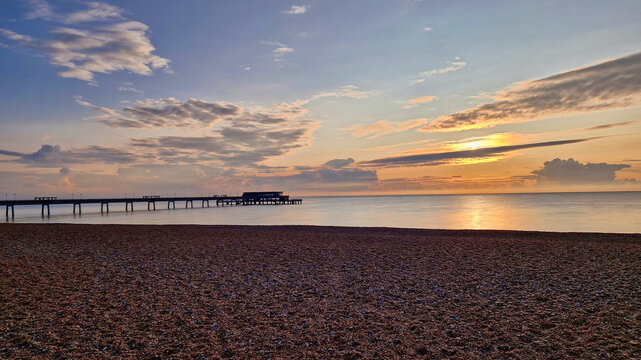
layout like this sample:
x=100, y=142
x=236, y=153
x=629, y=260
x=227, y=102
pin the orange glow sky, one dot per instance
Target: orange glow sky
x=334, y=98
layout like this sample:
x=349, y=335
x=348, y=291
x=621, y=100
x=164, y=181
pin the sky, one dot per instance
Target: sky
x=319, y=97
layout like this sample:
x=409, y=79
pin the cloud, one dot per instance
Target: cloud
x=609, y=85
x=383, y=127
x=339, y=163
x=574, y=172
x=167, y=112
x=349, y=91
x=23, y=40
x=123, y=46
x=338, y=175
x=40, y=9
x=240, y=139
x=427, y=28
x=296, y=10
x=232, y=146
x=82, y=53
x=10, y=153
x=324, y=176
x=171, y=112
x=296, y=108
x=290, y=109
x=418, y=101
x=94, y=11
x=609, y=126
x=441, y=158
x=454, y=183
x=421, y=100
x=236, y=136
x=302, y=34
x=54, y=156
x=455, y=65
x=280, y=50
x=64, y=182
x=129, y=89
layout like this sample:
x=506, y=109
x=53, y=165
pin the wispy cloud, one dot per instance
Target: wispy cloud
x=23, y=40
x=240, y=143
x=94, y=11
x=165, y=113
x=610, y=126
x=297, y=108
x=455, y=65
x=454, y=183
x=235, y=136
x=383, y=127
x=441, y=158
x=40, y=9
x=55, y=156
x=128, y=87
x=279, y=51
x=296, y=10
x=199, y=114
x=337, y=175
x=349, y=91
x=427, y=28
x=609, y=85
x=419, y=101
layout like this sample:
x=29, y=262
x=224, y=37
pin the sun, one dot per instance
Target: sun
x=475, y=144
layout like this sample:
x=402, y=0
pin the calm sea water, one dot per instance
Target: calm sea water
x=598, y=212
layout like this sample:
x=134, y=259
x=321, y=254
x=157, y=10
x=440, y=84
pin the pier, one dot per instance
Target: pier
x=248, y=198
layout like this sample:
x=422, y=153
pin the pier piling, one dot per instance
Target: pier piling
x=42, y=211
x=7, y=211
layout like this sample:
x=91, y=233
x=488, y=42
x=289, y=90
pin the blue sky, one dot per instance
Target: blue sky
x=279, y=89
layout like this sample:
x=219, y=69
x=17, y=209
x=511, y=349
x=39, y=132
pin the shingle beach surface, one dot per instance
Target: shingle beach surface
x=117, y=291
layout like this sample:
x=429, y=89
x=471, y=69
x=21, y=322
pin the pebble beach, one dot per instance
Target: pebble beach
x=276, y=292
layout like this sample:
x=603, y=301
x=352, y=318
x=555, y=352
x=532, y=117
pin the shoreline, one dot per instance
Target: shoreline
x=467, y=232
x=236, y=291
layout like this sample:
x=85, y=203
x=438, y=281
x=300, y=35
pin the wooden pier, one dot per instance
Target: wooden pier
x=248, y=198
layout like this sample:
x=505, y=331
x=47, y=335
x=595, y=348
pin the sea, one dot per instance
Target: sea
x=618, y=212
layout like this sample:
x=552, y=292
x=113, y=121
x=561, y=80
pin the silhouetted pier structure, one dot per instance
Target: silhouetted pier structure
x=248, y=198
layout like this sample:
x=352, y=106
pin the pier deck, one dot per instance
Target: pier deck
x=271, y=198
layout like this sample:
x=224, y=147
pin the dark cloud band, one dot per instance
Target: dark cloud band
x=443, y=157
x=608, y=85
